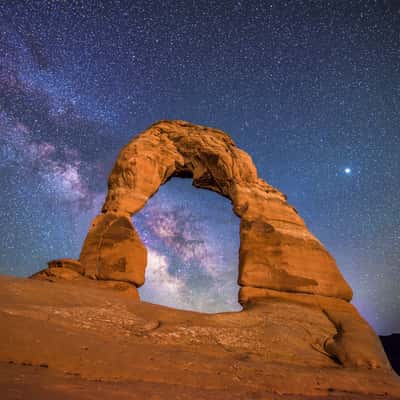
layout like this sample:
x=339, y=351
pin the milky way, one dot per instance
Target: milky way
x=193, y=241
x=309, y=89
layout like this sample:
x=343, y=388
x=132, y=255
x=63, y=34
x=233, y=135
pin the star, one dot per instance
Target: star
x=347, y=171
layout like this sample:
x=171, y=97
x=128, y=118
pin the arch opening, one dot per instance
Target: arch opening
x=192, y=241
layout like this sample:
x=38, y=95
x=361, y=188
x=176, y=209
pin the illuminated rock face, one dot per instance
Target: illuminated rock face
x=277, y=251
x=286, y=275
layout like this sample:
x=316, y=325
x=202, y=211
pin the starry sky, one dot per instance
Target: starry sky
x=311, y=89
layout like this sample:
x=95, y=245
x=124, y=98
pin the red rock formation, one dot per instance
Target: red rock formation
x=285, y=273
x=75, y=340
x=277, y=251
x=68, y=269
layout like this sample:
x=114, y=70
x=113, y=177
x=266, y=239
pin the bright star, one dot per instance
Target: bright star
x=347, y=170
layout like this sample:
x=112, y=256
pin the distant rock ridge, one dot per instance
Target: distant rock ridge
x=391, y=344
x=280, y=260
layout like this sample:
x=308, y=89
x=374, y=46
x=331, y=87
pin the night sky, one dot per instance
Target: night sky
x=311, y=89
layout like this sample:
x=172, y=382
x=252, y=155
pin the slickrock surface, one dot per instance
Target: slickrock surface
x=67, y=269
x=76, y=340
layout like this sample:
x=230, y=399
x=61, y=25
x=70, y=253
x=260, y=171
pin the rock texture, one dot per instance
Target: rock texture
x=64, y=268
x=277, y=251
x=113, y=250
x=77, y=340
x=67, y=269
x=353, y=343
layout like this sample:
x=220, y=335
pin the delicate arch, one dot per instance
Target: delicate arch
x=277, y=251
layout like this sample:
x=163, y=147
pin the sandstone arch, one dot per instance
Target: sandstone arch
x=289, y=282
x=277, y=251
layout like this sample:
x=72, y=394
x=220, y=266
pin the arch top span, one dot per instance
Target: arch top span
x=277, y=251
x=177, y=148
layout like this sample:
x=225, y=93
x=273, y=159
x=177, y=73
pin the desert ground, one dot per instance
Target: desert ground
x=80, y=340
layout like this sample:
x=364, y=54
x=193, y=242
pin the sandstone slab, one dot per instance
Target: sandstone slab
x=53, y=333
x=353, y=342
